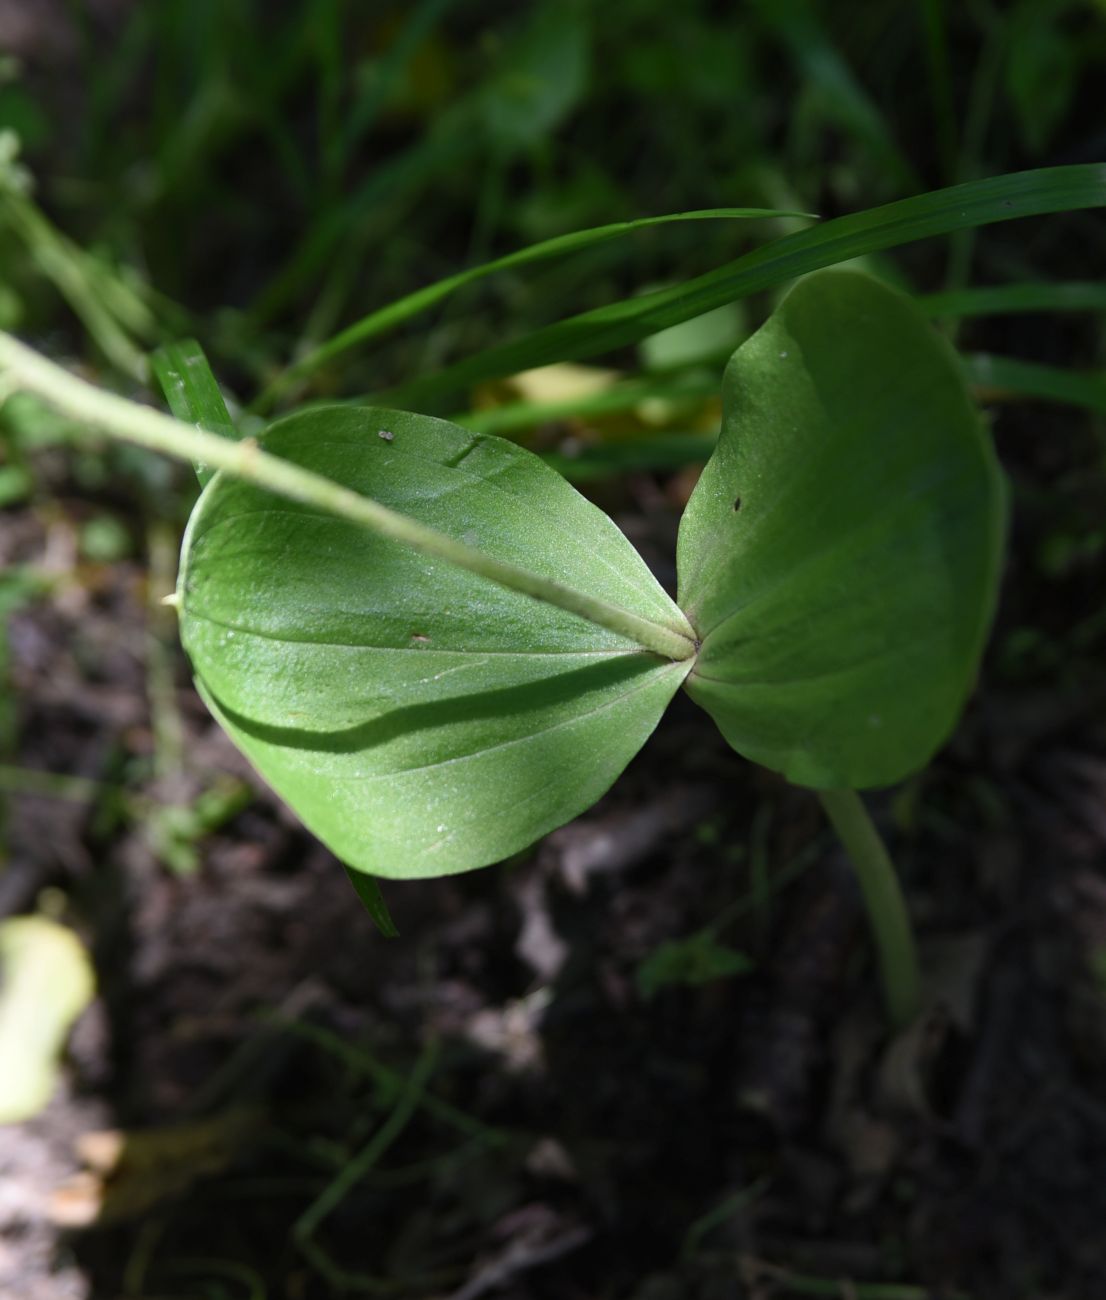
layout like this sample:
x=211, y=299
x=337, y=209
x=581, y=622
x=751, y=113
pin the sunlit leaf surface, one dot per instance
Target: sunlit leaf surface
x=419, y=719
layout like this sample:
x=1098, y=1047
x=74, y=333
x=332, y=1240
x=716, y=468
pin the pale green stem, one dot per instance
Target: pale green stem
x=356, y=1168
x=69, y=268
x=879, y=884
x=25, y=369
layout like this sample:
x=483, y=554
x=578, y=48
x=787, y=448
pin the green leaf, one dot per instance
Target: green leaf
x=831, y=92
x=544, y=75
x=1009, y=375
x=960, y=207
x=192, y=392
x=839, y=557
x=420, y=720
x=1043, y=66
x=368, y=891
x=698, y=959
x=449, y=142
x=999, y=299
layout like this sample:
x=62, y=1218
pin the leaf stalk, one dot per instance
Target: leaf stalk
x=883, y=899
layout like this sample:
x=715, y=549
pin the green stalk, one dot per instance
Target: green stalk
x=68, y=268
x=23, y=369
x=887, y=914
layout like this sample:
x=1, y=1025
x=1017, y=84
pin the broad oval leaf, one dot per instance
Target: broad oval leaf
x=419, y=719
x=839, y=557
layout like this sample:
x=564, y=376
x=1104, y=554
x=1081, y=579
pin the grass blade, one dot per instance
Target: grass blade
x=368, y=891
x=830, y=83
x=998, y=300
x=959, y=207
x=378, y=322
x=192, y=392
x=449, y=143
x=999, y=377
x=84, y=284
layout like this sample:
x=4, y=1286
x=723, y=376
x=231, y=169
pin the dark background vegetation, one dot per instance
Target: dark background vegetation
x=645, y=1060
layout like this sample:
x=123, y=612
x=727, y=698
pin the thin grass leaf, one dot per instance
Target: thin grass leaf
x=940, y=84
x=832, y=1288
x=999, y=377
x=960, y=207
x=831, y=88
x=387, y=318
x=368, y=891
x=192, y=392
x=1003, y=299
x=417, y=26
x=448, y=144
x=81, y=282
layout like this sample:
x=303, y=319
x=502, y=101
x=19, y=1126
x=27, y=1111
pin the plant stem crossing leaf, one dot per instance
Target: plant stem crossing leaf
x=420, y=718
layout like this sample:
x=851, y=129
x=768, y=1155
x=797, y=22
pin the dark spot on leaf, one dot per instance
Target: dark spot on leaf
x=736, y=504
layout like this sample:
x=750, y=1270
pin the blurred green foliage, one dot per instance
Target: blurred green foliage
x=261, y=175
